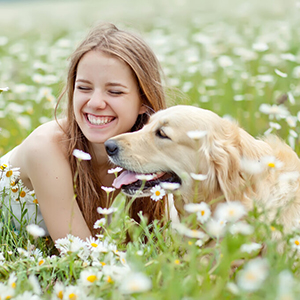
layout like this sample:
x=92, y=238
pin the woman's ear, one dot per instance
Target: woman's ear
x=143, y=109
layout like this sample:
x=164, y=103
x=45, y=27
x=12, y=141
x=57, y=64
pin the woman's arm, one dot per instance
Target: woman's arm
x=49, y=172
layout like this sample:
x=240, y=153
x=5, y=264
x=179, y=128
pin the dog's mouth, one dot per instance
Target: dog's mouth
x=139, y=185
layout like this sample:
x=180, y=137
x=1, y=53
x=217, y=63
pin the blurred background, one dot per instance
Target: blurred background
x=240, y=59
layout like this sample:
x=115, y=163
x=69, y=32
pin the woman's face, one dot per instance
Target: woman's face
x=106, y=100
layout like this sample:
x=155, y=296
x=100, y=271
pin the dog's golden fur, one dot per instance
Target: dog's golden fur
x=232, y=159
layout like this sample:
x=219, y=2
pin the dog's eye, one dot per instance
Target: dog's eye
x=161, y=134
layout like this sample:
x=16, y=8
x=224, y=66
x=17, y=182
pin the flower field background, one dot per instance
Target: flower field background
x=239, y=59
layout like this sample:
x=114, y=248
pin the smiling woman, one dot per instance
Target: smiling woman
x=106, y=103
x=113, y=85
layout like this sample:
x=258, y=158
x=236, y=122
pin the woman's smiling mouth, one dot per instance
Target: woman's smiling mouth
x=99, y=120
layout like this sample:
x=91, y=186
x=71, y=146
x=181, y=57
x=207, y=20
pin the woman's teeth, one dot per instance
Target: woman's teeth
x=99, y=120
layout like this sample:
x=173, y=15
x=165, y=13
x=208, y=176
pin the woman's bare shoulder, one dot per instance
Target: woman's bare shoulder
x=49, y=132
x=45, y=141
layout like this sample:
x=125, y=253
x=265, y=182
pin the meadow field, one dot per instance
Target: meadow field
x=240, y=59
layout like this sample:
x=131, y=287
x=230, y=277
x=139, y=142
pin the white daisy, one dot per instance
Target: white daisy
x=10, y=175
x=253, y=274
x=72, y=244
x=286, y=285
x=35, y=230
x=74, y=292
x=204, y=214
x=295, y=241
x=106, y=211
x=58, y=290
x=25, y=195
x=170, y=186
x=93, y=243
x=196, y=134
x=291, y=121
x=100, y=223
x=241, y=227
x=81, y=155
x=271, y=162
x=108, y=189
x=192, y=233
x=250, y=247
x=35, y=284
x=251, y=166
x=89, y=277
x=41, y=261
x=135, y=283
x=216, y=228
x=7, y=292
x=260, y=46
x=157, y=193
x=274, y=111
x=115, y=170
x=201, y=209
x=12, y=280
x=4, y=89
x=230, y=211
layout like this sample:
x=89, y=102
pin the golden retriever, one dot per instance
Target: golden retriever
x=237, y=166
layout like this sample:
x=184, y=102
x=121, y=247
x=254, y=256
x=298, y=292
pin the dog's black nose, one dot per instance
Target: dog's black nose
x=111, y=147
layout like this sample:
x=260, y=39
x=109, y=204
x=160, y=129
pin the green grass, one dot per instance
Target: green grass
x=213, y=57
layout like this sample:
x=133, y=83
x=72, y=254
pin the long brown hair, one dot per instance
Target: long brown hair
x=138, y=55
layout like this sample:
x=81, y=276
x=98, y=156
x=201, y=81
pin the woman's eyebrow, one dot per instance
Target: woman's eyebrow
x=82, y=80
x=115, y=84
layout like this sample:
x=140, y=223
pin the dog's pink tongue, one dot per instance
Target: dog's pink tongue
x=125, y=177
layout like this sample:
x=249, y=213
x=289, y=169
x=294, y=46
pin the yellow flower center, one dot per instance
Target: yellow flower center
x=271, y=165
x=41, y=262
x=134, y=287
x=91, y=278
x=13, y=285
x=9, y=173
x=177, y=261
x=202, y=212
x=94, y=245
x=35, y=201
x=231, y=212
x=3, y=167
x=297, y=242
x=14, y=190
x=72, y=296
x=8, y=297
x=60, y=295
x=250, y=276
x=109, y=280
x=103, y=263
x=157, y=193
x=190, y=243
x=273, y=228
x=23, y=194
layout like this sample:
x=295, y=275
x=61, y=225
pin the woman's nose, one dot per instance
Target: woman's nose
x=97, y=100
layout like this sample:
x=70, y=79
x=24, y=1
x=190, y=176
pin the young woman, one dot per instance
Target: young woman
x=113, y=85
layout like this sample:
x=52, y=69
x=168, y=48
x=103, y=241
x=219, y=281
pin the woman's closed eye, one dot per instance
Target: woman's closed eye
x=83, y=88
x=115, y=92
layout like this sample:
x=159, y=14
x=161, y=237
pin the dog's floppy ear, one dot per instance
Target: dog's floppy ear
x=224, y=155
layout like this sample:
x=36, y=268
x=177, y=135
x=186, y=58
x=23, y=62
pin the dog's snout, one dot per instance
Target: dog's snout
x=111, y=147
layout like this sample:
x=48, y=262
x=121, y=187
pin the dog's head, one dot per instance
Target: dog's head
x=164, y=149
